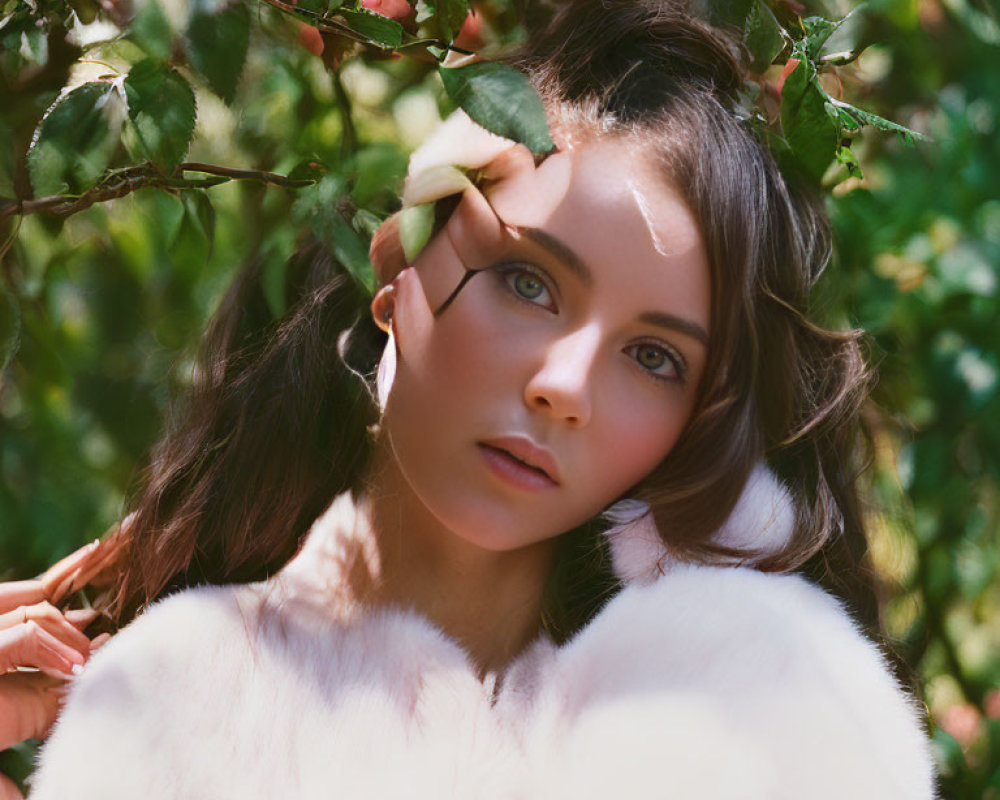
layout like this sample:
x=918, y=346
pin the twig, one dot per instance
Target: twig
x=328, y=24
x=125, y=181
x=246, y=175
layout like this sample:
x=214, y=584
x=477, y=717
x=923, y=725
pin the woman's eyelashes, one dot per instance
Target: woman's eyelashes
x=528, y=284
x=660, y=362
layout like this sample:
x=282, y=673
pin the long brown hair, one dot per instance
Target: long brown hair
x=275, y=425
x=778, y=386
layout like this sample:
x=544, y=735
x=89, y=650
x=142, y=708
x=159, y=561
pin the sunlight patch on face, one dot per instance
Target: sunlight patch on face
x=647, y=217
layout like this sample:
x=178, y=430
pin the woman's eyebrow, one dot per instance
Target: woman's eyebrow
x=560, y=250
x=679, y=324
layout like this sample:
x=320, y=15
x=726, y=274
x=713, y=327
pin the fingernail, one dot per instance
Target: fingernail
x=77, y=669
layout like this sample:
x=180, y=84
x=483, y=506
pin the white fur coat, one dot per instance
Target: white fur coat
x=694, y=682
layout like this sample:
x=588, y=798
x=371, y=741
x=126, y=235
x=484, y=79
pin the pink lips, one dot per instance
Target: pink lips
x=519, y=461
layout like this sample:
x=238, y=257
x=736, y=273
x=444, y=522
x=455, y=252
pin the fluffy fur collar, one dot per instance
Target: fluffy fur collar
x=700, y=683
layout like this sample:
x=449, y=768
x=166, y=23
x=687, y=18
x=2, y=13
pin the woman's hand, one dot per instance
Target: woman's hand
x=61, y=579
x=43, y=637
x=36, y=635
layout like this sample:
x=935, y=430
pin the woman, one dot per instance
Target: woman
x=620, y=328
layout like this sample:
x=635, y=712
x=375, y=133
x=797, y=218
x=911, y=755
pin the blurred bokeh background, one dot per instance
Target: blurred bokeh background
x=100, y=311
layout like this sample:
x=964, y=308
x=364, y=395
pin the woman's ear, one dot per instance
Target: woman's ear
x=383, y=307
x=386, y=253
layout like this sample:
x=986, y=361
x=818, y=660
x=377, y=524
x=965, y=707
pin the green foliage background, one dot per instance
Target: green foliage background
x=100, y=310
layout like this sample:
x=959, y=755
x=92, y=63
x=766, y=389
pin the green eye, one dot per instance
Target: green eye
x=651, y=357
x=528, y=286
x=658, y=361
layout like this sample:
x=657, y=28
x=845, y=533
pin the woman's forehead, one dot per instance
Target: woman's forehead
x=603, y=188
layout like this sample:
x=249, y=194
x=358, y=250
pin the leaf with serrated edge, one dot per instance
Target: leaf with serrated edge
x=217, y=46
x=76, y=139
x=807, y=127
x=502, y=100
x=817, y=31
x=863, y=117
x=378, y=30
x=161, y=106
x=765, y=37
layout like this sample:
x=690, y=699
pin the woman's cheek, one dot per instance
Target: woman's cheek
x=642, y=434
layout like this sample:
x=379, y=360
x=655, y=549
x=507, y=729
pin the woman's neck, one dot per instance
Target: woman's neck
x=489, y=602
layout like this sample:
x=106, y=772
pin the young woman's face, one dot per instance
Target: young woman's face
x=566, y=368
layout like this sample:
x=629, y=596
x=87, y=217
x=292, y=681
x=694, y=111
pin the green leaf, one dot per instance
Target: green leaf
x=817, y=31
x=848, y=38
x=808, y=129
x=162, y=108
x=318, y=207
x=861, y=117
x=151, y=31
x=218, y=36
x=76, y=139
x=846, y=157
x=349, y=248
x=366, y=222
x=450, y=15
x=764, y=38
x=502, y=100
x=192, y=244
x=416, y=224
x=200, y=213
x=10, y=328
x=848, y=123
x=376, y=29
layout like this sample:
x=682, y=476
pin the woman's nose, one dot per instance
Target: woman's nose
x=561, y=385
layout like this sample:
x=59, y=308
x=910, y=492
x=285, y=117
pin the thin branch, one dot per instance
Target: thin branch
x=328, y=24
x=125, y=181
x=246, y=175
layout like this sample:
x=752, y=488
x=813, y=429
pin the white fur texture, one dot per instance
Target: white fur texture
x=761, y=523
x=704, y=684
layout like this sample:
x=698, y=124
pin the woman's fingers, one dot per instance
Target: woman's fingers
x=20, y=593
x=104, y=571
x=80, y=618
x=58, y=578
x=30, y=645
x=52, y=620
